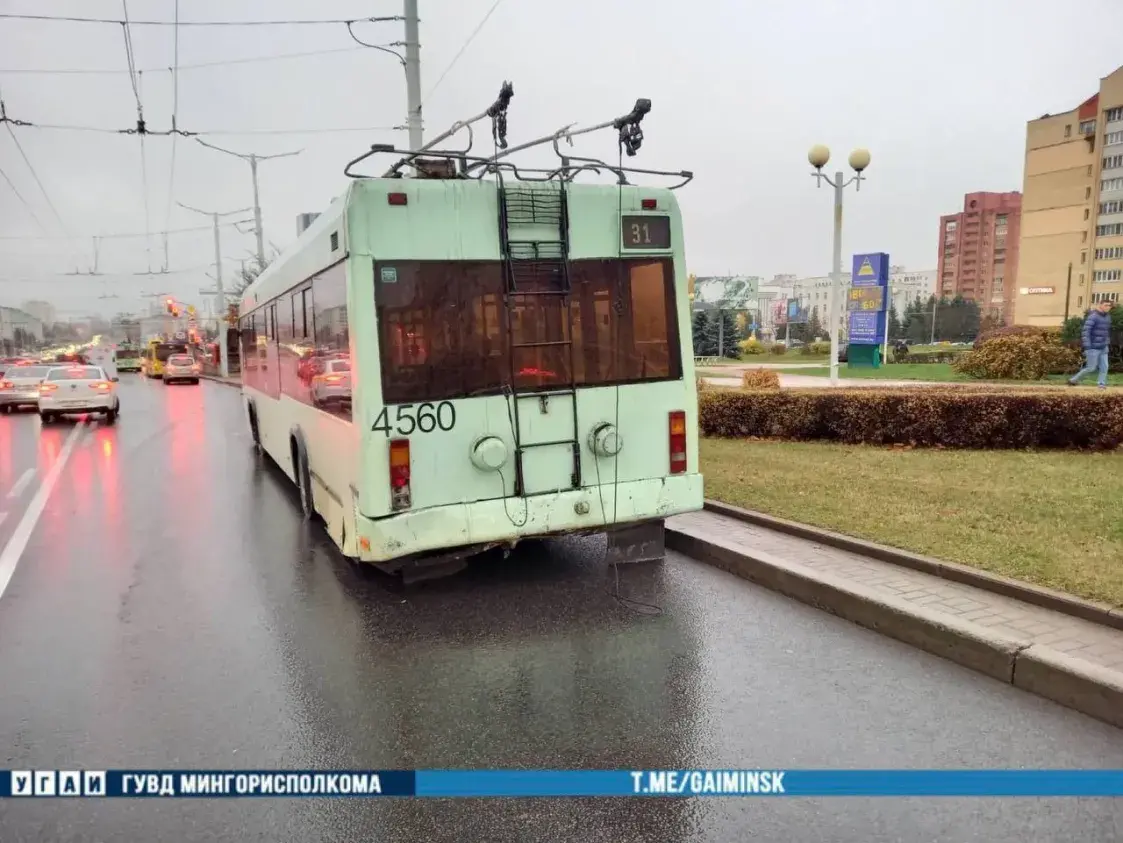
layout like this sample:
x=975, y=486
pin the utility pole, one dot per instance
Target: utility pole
x=259, y=231
x=220, y=294
x=413, y=74
x=1068, y=290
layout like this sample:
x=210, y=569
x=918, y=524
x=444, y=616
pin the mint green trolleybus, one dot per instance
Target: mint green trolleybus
x=464, y=353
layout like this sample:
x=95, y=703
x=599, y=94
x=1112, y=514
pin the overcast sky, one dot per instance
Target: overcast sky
x=938, y=90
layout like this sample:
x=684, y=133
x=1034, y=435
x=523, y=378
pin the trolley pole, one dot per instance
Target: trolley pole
x=413, y=74
x=220, y=293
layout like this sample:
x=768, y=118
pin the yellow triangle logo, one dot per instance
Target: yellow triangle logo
x=866, y=270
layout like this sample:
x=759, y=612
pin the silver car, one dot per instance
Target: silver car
x=181, y=367
x=331, y=386
x=19, y=387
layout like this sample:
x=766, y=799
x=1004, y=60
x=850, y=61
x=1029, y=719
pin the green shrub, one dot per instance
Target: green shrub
x=1019, y=357
x=815, y=349
x=760, y=379
x=751, y=345
x=778, y=348
x=953, y=417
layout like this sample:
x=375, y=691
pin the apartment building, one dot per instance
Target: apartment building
x=1071, y=250
x=978, y=252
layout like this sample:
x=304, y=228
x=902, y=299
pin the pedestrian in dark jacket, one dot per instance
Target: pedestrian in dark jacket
x=1096, y=338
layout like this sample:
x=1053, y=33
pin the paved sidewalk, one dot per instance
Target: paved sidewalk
x=812, y=381
x=1085, y=640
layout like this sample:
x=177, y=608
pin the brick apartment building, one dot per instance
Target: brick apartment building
x=978, y=255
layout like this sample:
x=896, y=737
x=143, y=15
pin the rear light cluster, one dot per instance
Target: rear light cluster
x=101, y=386
x=333, y=378
x=6, y=384
x=44, y=388
x=678, y=442
x=399, y=474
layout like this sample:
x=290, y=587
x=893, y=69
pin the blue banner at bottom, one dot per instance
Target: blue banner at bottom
x=554, y=783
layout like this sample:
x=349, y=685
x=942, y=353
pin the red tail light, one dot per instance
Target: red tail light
x=648, y=204
x=399, y=474
x=6, y=384
x=678, y=442
x=397, y=198
x=101, y=386
x=44, y=388
x=333, y=378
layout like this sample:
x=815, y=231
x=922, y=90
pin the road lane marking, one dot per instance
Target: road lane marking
x=21, y=484
x=13, y=550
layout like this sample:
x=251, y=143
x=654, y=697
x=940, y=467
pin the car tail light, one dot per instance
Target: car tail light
x=101, y=386
x=678, y=442
x=6, y=384
x=333, y=378
x=44, y=388
x=399, y=474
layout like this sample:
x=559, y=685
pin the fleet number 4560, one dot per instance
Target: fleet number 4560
x=424, y=419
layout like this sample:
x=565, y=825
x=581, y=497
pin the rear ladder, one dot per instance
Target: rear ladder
x=534, y=243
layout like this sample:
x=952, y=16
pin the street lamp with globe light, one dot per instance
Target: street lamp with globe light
x=818, y=156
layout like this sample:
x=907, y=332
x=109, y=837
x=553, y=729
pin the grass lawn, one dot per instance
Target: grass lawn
x=941, y=372
x=1050, y=518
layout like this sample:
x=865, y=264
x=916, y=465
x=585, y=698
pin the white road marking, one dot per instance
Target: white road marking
x=13, y=550
x=21, y=484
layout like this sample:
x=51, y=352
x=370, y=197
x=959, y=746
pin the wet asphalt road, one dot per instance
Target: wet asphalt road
x=171, y=610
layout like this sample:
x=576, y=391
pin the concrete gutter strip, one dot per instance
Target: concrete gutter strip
x=1046, y=598
x=1088, y=688
x=960, y=641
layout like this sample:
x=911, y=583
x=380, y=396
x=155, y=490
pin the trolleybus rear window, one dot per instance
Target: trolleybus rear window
x=444, y=334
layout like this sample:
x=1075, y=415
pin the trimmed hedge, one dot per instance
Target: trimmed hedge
x=951, y=417
x=778, y=348
x=760, y=379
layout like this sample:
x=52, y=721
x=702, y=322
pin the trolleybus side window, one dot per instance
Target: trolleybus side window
x=443, y=331
x=329, y=320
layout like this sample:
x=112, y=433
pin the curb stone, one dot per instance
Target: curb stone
x=1035, y=595
x=1071, y=682
x=217, y=379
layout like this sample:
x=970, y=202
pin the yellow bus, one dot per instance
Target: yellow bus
x=157, y=352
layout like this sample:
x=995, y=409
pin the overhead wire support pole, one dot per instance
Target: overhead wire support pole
x=253, y=159
x=413, y=74
x=223, y=357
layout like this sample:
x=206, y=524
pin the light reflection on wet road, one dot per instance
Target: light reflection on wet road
x=172, y=610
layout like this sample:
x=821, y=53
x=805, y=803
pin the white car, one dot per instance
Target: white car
x=77, y=390
x=19, y=386
x=182, y=367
